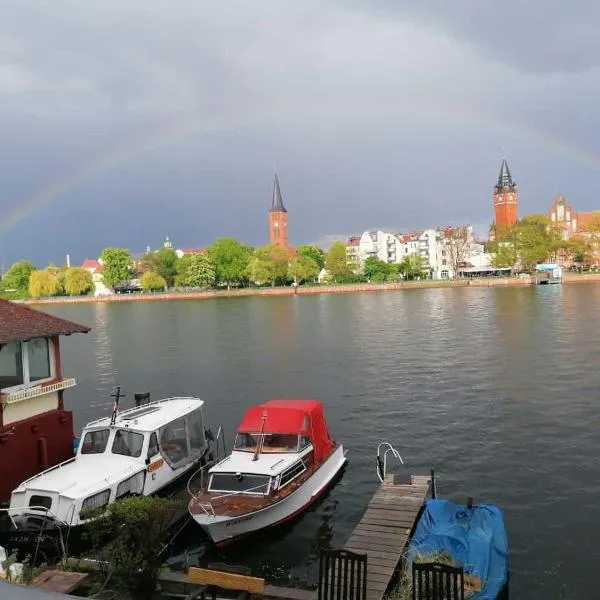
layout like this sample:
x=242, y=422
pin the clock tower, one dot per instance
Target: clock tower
x=506, y=200
x=278, y=218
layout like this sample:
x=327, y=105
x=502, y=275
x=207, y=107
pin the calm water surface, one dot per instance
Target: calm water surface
x=497, y=389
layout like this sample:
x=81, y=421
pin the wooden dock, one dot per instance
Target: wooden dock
x=385, y=527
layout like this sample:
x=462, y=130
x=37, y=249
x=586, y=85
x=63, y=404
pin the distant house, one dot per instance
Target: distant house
x=185, y=251
x=95, y=267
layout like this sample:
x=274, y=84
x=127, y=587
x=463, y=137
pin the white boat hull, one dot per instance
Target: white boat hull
x=224, y=529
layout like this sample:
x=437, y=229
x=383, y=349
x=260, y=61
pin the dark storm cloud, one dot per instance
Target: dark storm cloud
x=374, y=117
x=544, y=36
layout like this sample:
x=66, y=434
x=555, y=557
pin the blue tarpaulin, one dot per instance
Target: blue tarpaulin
x=475, y=538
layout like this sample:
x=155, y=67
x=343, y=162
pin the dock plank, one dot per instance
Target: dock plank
x=384, y=528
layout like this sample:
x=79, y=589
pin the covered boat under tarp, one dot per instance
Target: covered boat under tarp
x=475, y=538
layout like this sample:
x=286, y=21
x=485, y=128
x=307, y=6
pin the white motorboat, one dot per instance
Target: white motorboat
x=139, y=451
x=282, y=461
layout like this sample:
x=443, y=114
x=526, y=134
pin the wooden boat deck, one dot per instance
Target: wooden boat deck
x=385, y=527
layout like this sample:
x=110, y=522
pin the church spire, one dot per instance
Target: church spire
x=505, y=178
x=277, y=201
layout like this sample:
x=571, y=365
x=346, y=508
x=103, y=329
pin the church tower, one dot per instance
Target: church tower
x=506, y=199
x=278, y=218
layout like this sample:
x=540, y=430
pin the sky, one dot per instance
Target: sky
x=124, y=122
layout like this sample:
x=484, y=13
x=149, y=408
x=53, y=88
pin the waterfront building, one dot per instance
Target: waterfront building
x=506, y=202
x=442, y=249
x=36, y=432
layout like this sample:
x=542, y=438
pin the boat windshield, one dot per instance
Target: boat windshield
x=128, y=443
x=94, y=442
x=272, y=442
x=239, y=483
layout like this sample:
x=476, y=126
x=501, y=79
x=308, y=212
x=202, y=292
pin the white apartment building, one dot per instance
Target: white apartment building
x=443, y=250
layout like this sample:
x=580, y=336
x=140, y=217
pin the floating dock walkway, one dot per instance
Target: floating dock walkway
x=385, y=527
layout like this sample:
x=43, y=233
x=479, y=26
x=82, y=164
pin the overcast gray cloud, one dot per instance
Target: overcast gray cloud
x=124, y=122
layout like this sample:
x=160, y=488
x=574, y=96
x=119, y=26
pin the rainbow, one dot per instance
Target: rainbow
x=175, y=130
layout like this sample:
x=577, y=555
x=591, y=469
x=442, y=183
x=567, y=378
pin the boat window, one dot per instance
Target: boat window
x=173, y=443
x=291, y=473
x=272, y=443
x=240, y=483
x=95, y=442
x=11, y=365
x=304, y=441
x=128, y=443
x=96, y=501
x=195, y=430
x=153, y=446
x=40, y=502
x=132, y=486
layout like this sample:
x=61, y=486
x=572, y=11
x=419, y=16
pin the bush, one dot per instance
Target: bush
x=151, y=282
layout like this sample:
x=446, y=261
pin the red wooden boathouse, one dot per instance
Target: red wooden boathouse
x=36, y=432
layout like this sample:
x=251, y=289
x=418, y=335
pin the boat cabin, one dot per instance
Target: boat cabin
x=35, y=429
x=276, y=443
x=139, y=452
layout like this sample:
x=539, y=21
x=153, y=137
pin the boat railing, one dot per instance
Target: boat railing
x=219, y=455
x=382, y=451
x=208, y=507
x=58, y=466
x=26, y=509
x=134, y=408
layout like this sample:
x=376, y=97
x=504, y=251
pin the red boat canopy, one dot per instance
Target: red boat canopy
x=291, y=416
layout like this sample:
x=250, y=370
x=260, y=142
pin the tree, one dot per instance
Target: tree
x=166, y=264
x=413, y=267
x=458, y=244
x=148, y=262
x=43, y=284
x=530, y=241
x=230, y=260
x=125, y=540
x=78, y=281
x=314, y=252
x=269, y=264
x=374, y=269
x=580, y=250
x=303, y=268
x=195, y=270
x=15, y=283
x=336, y=262
x=117, y=265
x=151, y=282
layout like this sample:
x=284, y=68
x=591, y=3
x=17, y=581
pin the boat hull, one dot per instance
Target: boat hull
x=223, y=530
x=55, y=539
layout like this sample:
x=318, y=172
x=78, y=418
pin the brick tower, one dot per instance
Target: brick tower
x=278, y=218
x=506, y=199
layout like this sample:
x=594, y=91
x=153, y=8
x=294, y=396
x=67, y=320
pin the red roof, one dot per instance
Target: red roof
x=92, y=263
x=194, y=250
x=291, y=416
x=353, y=240
x=19, y=323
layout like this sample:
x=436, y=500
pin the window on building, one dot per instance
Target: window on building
x=128, y=443
x=39, y=359
x=444, y=262
x=95, y=442
x=11, y=365
x=25, y=363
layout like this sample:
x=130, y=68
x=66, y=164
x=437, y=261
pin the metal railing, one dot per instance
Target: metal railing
x=382, y=462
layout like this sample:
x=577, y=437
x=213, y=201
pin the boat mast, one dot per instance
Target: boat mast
x=261, y=436
x=117, y=395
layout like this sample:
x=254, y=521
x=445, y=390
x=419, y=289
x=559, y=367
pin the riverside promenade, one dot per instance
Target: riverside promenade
x=307, y=290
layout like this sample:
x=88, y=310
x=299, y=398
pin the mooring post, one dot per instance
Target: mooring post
x=433, y=490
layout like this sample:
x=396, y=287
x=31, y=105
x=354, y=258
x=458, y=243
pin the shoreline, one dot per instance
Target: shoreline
x=310, y=290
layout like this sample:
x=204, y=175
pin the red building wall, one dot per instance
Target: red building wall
x=506, y=205
x=30, y=446
x=278, y=228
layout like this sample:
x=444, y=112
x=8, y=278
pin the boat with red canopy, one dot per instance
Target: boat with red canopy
x=283, y=459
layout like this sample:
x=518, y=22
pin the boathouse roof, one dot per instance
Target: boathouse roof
x=20, y=323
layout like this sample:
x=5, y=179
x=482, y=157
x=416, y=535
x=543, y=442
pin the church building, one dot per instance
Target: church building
x=506, y=201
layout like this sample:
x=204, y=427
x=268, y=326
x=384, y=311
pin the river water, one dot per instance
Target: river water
x=494, y=388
